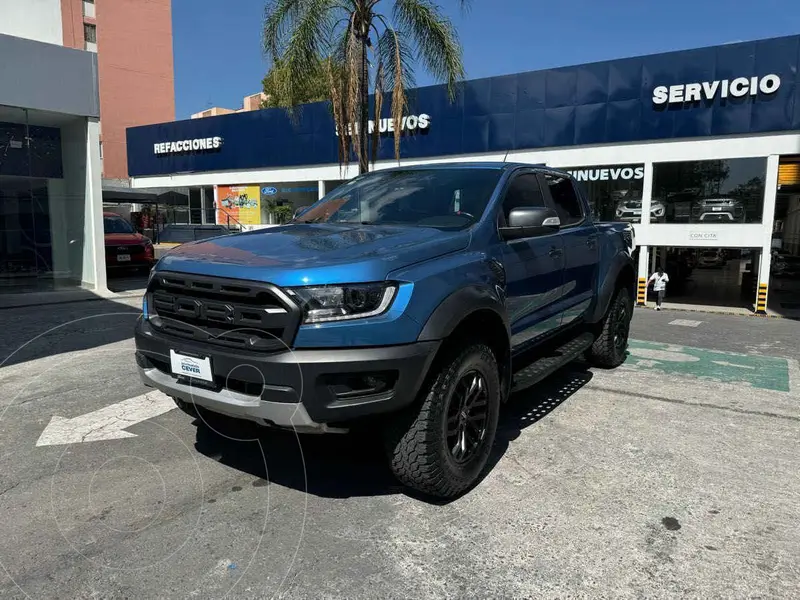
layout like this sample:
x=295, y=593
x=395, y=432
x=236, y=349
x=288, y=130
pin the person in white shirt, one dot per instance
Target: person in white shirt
x=659, y=280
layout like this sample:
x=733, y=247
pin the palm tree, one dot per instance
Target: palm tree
x=299, y=33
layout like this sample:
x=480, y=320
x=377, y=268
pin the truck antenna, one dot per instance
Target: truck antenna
x=505, y=158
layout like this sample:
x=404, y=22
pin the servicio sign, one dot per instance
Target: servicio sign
x=708, y=90
x=194, y=145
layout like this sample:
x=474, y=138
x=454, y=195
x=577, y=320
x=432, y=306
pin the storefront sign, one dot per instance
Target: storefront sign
x=607, y=173
x=408, y=123
x=195, y=145
x=703, y=236
x=708, y=90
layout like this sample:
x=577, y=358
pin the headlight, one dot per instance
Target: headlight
x=619, y=212
x=343, y=302
x=659, y=211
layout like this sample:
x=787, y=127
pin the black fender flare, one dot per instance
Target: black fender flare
x=605, y=292
x=458, y=306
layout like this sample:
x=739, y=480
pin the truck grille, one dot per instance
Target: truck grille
x=225, y=312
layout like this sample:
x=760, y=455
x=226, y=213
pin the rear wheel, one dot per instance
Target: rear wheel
x=611, y=345
x=441, y=445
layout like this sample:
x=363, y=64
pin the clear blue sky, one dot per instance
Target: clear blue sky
x=218, y=57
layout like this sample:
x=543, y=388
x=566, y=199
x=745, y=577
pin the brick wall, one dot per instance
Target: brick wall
x=135, y=64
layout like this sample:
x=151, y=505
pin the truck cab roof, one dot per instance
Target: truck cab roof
x=476, y=165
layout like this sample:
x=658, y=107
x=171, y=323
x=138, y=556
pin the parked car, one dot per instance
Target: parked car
x=631, y=211
x=785, y=265
x=413, y=300
x=124, y=247
x=709, y=259
x=718, y=210
x=181, y=233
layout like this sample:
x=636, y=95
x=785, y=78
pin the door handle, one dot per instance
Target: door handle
x=555, y=252
x=591, y=241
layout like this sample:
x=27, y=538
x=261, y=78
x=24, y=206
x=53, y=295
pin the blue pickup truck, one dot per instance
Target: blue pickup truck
x=413, y=299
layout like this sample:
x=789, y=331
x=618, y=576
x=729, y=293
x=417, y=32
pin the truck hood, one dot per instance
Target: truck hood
x=314, y=254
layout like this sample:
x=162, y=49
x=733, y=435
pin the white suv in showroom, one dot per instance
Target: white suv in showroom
x=718, y=210
x=630, y=211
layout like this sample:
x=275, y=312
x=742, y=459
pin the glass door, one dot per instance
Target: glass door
x=25, y=236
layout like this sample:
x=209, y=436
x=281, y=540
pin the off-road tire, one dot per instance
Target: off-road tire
x=607, y=351
x=416, y=439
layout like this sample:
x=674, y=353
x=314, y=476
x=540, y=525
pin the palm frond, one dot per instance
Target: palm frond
x=278, y=18
x=392, y=45
x=436, y=39
x=295, y=32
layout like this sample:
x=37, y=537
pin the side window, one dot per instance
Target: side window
x=565, y=200
x=523, y=191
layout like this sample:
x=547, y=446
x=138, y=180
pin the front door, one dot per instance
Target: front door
x=579, y=236
x=534, y=269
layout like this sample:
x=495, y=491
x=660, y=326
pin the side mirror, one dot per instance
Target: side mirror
x=530, y=221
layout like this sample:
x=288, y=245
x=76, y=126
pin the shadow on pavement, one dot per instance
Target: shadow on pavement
x=343, y=466
x=127, y=281
x=34, y=332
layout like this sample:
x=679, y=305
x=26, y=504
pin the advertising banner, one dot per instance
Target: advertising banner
x=238, y=204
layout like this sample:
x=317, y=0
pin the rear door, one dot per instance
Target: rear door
x=580, y=239
x=533, y=266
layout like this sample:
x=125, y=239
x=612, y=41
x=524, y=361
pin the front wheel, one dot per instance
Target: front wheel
x=441, y=445
x=611, y=344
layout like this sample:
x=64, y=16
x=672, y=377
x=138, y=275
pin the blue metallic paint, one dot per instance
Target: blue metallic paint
x=598, y=103
x=430, y=265
x=317, y=254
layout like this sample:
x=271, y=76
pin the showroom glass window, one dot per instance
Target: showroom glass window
x=42, y=201
x=614, y=192
x=711, y=191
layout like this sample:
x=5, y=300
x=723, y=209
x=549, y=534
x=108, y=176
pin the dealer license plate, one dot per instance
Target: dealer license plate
x=191, y=366
x=123, y=257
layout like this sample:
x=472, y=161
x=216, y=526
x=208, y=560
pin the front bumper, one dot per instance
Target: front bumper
x=303, y=389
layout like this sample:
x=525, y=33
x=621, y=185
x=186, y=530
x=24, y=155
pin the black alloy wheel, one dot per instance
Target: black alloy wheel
x=467, y=417
x=621, y=327
x=440, y=445
x=611, y=344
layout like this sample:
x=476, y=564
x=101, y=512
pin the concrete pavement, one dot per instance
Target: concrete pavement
x=654, y=480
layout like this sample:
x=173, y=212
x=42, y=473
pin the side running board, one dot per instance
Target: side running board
x=550, y=362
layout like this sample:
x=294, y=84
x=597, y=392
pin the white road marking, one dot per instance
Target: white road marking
x=685, y=322
x=725, y=363
x=107, y=423
x=665, y=355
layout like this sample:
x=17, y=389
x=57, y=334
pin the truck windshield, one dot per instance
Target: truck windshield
x=447, y=198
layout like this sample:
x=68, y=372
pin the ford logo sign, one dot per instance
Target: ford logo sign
x=269, y=191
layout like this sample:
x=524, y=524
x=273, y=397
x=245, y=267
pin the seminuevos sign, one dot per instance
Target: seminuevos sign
x=193, y=145
x=709, y=90
x=408, y=123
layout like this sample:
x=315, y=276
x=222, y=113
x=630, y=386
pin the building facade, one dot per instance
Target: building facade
x=699, y=149
x=133, y=42
x=251, y=102
x=51, y=225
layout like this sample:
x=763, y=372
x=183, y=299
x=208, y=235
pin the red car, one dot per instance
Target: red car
x=125, y=247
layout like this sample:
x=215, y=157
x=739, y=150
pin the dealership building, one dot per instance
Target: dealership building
x=699, y=149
